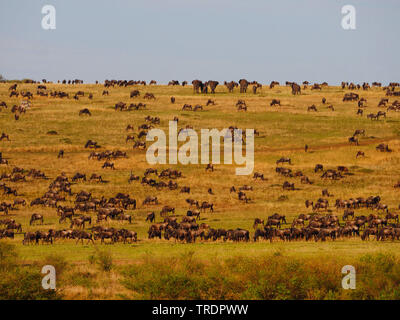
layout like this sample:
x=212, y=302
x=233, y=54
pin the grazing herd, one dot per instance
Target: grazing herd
x=86, y=220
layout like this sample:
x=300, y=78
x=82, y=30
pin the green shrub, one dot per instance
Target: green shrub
x=104, y=260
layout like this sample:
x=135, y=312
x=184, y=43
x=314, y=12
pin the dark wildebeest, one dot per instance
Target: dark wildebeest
x=36, y=217
x=85, y=111
x=197, y=85
x=283, y=160
x=151, y=217
x=134, y=93
x=243, y=85
x=296, y=89
x=213, y=85
x=275, y=102
x=360, y=154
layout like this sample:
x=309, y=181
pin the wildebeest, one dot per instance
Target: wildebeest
x=134, y=93
x=283, y=160
x=243, y=83
x=353, y=140
x=360, y=154
x=275, y=102
x=296, y=89
x=85, y=111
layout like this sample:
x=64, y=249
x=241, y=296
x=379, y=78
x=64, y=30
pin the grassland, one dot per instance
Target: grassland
x=283, y=132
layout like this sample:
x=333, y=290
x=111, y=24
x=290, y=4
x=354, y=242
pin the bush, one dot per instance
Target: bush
x=104, y=260
x=270, y=277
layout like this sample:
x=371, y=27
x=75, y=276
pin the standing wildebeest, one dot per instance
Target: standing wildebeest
x=243, y=85
x=151, y=217
x=231, y=85
x=36, y=217
x=210, y=167
x=296, y=89
x=197, y=85
x=353, y=140
x=213, y=85
x=205, y=205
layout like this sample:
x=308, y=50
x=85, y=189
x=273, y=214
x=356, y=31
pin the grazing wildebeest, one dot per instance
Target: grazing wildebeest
x=150, y=200
x=275, y=102
x=187, y=107
x=166, y=210
x=205, y=205
x=132, y=177
x=85, y=111
x=318, y=167
x=4, y=136
x=383, y=148
x=359, y=132
x=360, y=154
x=283, y=160
x=288, y=186
x=108, y=164
x=312, y=108
x=381, y=114
x=258, y=175
x=149, y=96
x=353, y=140
x=210, y=102
x=134, y=93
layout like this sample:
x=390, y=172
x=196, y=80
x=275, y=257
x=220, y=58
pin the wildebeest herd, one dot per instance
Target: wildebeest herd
x=85, y=216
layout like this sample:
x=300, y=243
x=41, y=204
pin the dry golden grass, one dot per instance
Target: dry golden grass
x=283, y=132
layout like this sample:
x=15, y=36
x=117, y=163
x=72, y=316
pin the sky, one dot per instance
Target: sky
x=261, y=40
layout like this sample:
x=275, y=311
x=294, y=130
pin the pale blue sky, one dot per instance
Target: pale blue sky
x=206, y=39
